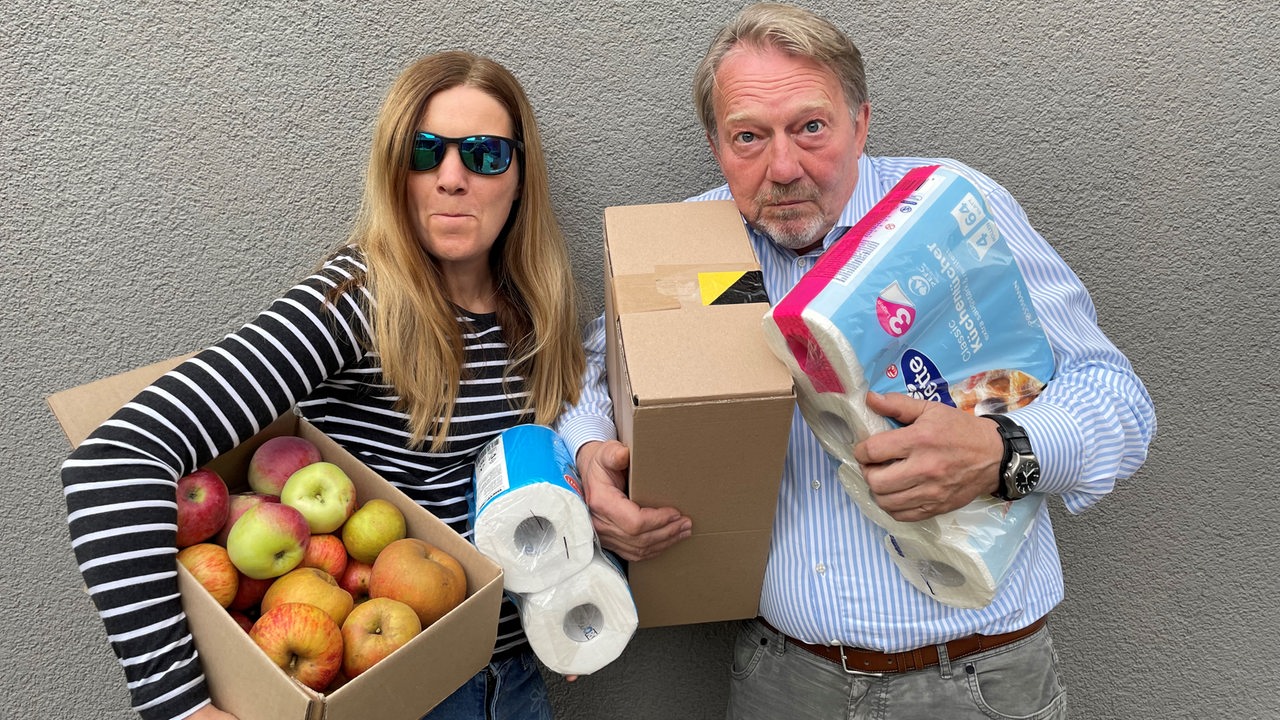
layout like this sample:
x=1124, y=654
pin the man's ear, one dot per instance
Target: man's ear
x=715, y=147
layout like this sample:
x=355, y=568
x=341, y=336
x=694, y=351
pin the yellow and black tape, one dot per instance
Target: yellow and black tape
x=732, y=288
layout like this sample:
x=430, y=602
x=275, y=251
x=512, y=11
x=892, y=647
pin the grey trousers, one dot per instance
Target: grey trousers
x=773, y=679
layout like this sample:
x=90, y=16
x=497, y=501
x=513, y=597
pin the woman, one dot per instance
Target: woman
x=447, y=318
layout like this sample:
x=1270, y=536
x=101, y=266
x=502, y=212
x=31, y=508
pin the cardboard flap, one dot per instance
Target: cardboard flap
x=82, y=409
x=700, y=356
x=642, y=237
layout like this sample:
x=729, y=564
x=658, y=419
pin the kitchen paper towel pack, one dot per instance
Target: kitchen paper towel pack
x=921, y=297
x=582, y=623
x=528, y=513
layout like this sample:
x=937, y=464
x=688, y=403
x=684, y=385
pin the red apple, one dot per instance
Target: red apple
x=249, y=592
x=211, y=567
x=327, y=553
x=420, y=575
x=241, y=619
x=303, y=641
x=202, y=506
x=323, y=493
x=278, y=458
x=268, y=540
x=237, y=503
x=310, y=586
x=355, y=579
x=374, y=630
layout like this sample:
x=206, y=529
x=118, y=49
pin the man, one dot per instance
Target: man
x=783, y=99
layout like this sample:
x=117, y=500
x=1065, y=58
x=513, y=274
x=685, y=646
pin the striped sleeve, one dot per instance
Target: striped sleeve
x=120, y=483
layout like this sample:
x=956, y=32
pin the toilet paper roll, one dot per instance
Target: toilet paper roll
x=529, y=513
x=961, y=560
x=582, y=623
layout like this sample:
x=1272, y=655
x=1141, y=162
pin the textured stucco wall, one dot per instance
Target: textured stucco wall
x=168, y=167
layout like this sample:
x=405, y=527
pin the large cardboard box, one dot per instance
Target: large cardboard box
x=241, y=679
x=703, y=404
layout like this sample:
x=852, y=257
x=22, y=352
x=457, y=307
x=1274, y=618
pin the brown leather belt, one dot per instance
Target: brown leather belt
x=857, y=660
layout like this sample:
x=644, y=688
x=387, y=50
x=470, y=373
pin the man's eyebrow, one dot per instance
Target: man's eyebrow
x=803, y=110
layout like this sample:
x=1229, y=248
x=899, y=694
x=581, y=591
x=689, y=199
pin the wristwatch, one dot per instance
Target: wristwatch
x=1019, y=469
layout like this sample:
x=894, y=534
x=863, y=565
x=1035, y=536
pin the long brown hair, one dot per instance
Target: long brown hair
x=414, y=325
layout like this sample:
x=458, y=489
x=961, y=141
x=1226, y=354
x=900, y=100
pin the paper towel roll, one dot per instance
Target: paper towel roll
x=584, y=622
x=530, y=516
x=920, y=297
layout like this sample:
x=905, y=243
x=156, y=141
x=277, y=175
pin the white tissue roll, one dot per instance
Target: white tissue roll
x=838, y=420
x=584, y=622
x=950, y=572
x=539, y=533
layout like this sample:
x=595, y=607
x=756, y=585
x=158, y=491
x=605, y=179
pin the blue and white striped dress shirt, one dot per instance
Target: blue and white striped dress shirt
x=829, y=580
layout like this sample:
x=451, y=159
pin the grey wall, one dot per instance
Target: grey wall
x=168, y=167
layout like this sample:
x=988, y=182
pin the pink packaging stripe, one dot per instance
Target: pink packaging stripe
x=787, y=314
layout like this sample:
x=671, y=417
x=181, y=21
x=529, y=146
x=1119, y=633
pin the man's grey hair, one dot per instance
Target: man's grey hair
x=792, y=30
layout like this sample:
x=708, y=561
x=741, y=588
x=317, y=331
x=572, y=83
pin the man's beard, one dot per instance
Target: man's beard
x=792, y=229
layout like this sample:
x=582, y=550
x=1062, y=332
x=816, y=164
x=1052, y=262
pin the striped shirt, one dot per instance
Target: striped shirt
x=828, y=578
x=300, y=352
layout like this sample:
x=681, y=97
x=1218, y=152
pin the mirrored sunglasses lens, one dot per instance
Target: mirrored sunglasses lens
x=428, y=151
x=485, y=154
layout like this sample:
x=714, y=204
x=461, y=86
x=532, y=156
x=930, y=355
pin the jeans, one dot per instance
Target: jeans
x=506, y=689
x=773, y=679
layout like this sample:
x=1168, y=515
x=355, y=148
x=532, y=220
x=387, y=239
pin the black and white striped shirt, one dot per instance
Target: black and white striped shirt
x=120, y=483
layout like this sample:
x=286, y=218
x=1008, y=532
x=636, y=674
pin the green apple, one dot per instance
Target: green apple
x=268, y=540
x=377, y=524
x=324, y=495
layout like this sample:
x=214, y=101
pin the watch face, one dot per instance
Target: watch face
x=1026, y=476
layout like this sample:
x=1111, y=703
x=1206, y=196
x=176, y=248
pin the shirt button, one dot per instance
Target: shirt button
x=815, y=484
x=821, y=568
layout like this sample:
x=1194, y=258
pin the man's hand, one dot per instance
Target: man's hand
x=631, y=531
x=940, y=460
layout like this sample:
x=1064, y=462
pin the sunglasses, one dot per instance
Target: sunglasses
x=481, y=154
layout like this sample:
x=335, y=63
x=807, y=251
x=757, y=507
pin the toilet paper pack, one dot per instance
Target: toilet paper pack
x=923, y=297
x=528, y=512
x=584, y=622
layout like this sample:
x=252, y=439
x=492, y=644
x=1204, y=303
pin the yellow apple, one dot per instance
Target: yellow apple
x=374, y=630
x=420, y=575
x=313, y=587
x=375, y=525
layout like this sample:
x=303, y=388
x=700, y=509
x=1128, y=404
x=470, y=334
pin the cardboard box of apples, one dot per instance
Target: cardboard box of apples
x=314, y=588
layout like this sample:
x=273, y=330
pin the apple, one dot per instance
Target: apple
x=278, y=458
x=311, y=586
x=324, y=495
x=249, y=592
x=209, y=564
x=355, y=579
x=202, y=506
x=327, y=553
x=374, y=630
x=373, y=526
x=420, y=575
x=303, y=641
x=237, y=503
x=268, y=540
x=241, y=619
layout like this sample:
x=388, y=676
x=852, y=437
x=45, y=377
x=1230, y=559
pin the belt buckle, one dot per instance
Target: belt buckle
x=844, y=662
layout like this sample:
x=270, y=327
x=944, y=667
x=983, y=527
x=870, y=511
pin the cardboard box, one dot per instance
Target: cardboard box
x=702, y=402
x=241, y=679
